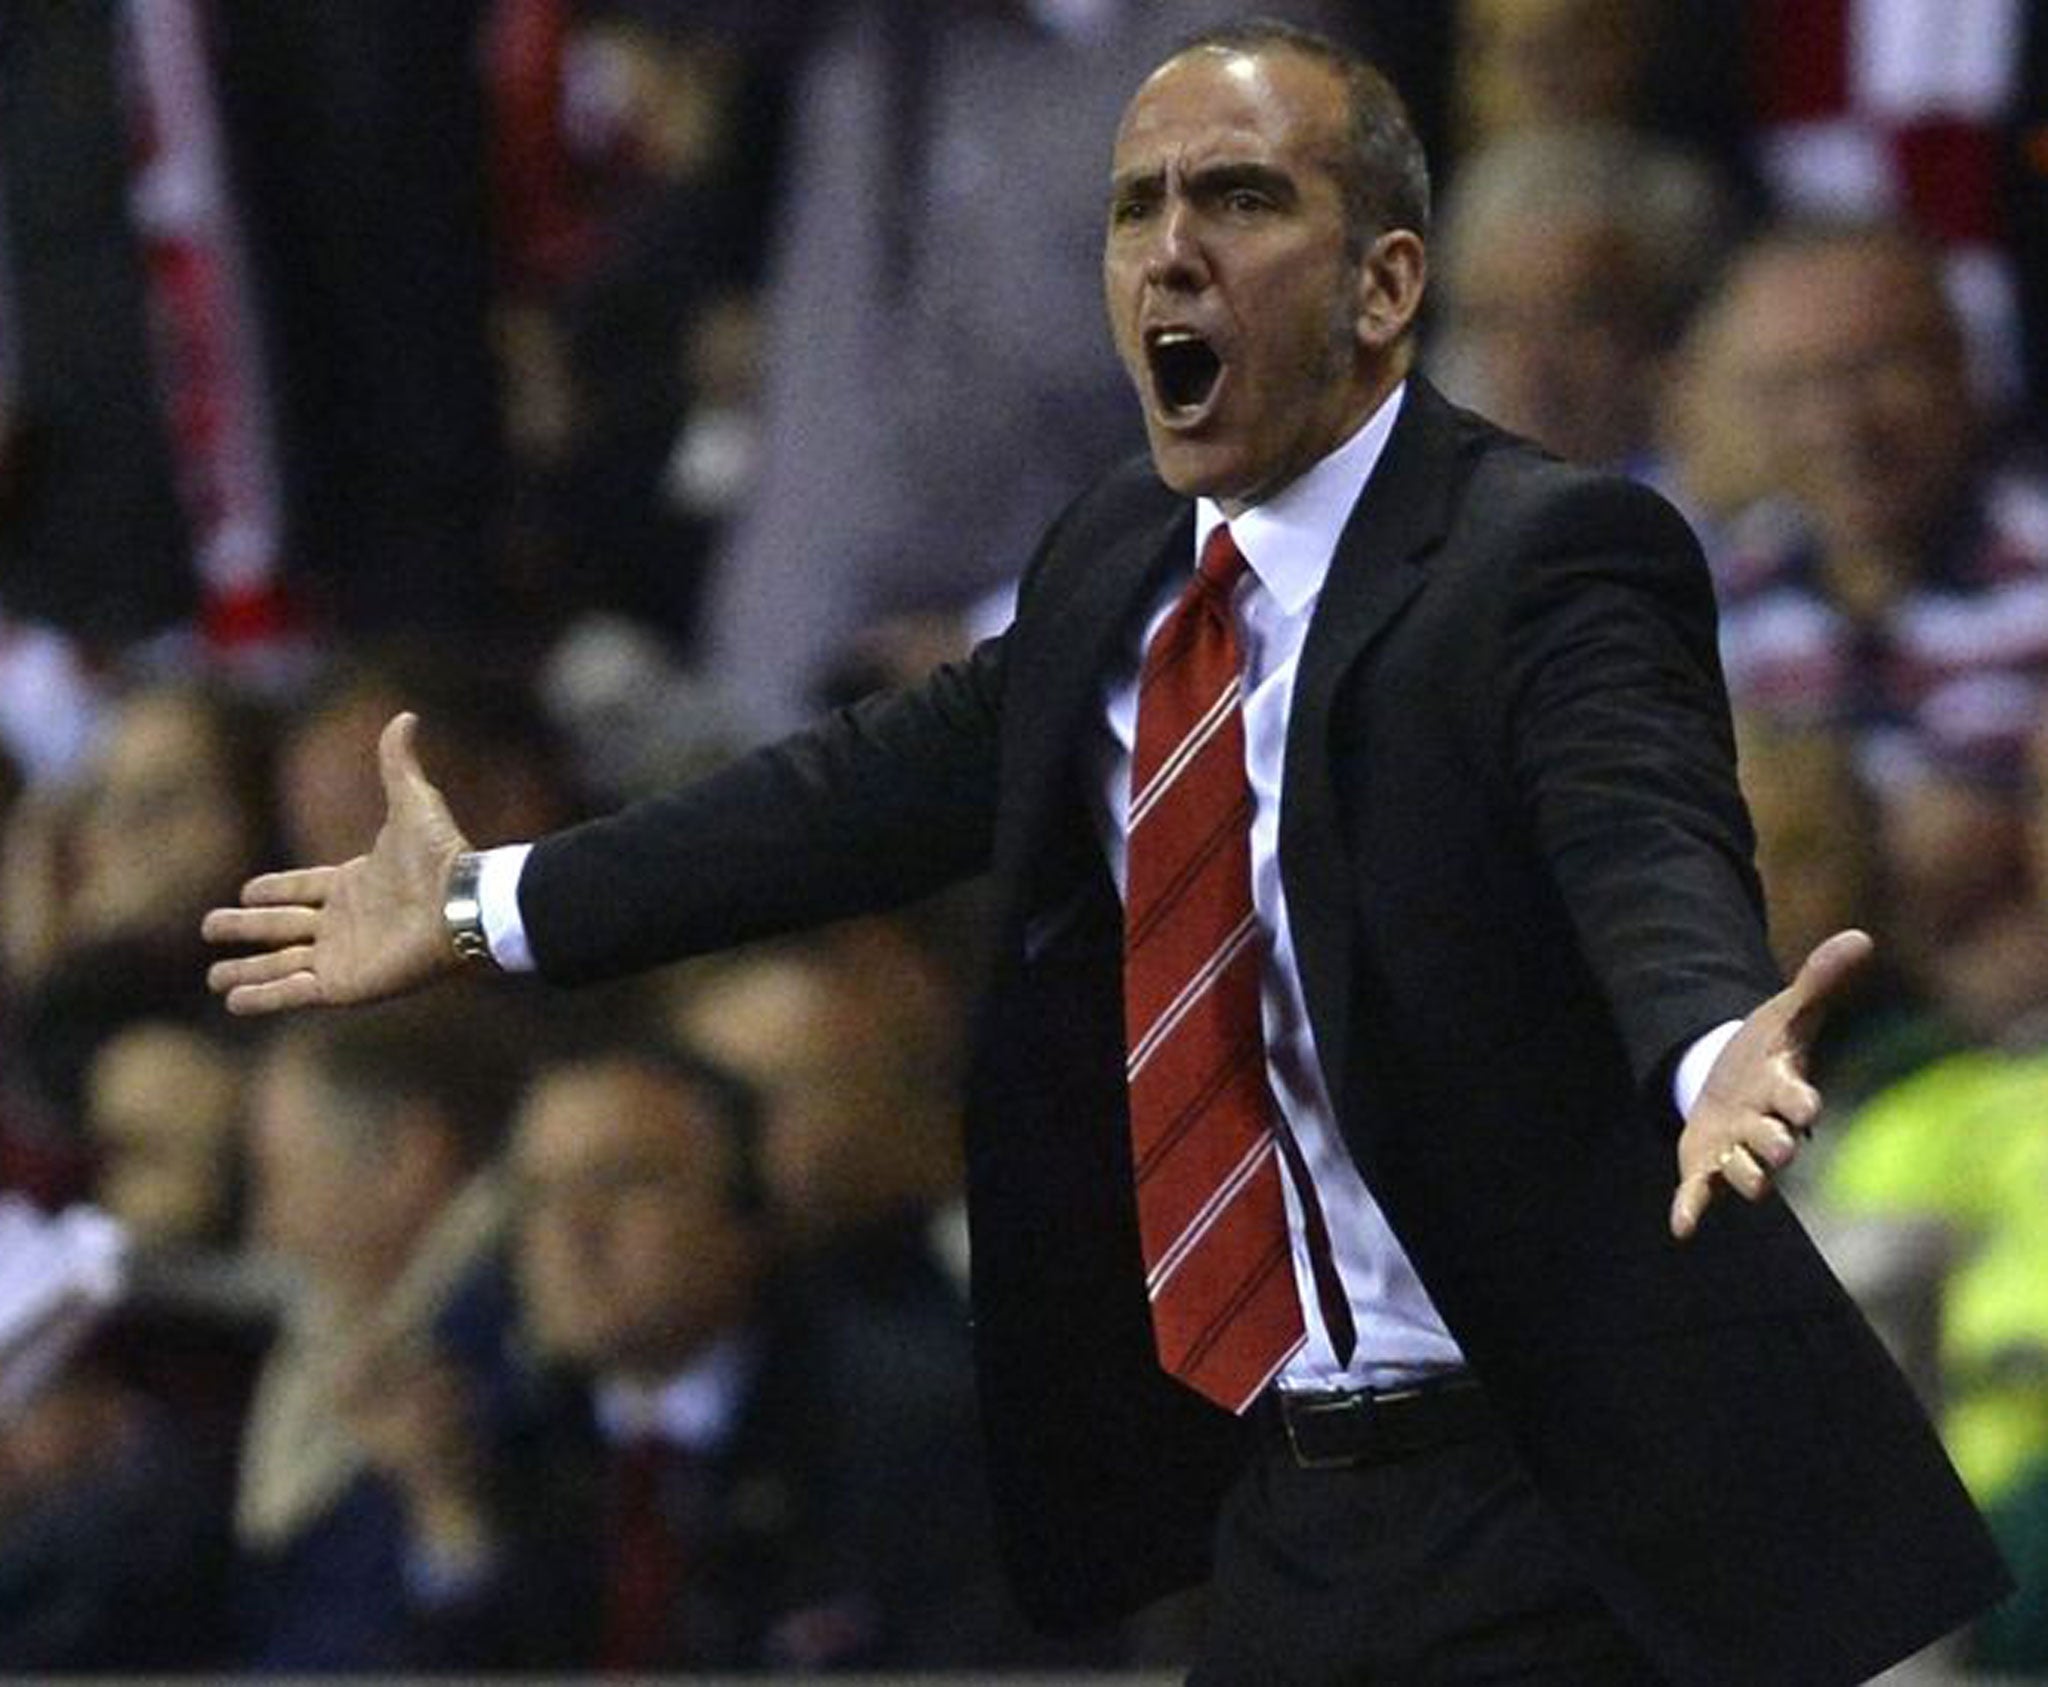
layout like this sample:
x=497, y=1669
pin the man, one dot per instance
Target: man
x=1515, y=1432
x=372, y=1144
x=1907, y=598
x=852, y=1038
x=739, y=1475
x=1567, y=262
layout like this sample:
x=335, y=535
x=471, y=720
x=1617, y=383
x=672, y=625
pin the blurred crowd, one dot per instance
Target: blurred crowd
x=615, y=381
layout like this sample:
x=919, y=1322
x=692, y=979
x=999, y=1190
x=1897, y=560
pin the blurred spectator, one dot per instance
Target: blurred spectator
x=928, y=373
x=1526, y=64
x=101, y=884
x=172, y=814
x=163, y=1110
x=162, y=1105
x=1820, y=856
x=1965, y=1140
x=1969, y=921
x=1672, y=69
x=753, y=1479
x=110, y=1552
x=1908, y=597
x=111, y=1547
x=636, y=156
x=1713, y=459
x=851, y=1037
x=56, y=1030
x=1871, y=109
x=1566, y=264
x=372, y=1139
x=481, y=731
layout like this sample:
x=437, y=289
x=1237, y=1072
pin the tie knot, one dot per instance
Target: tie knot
x=1222, y=562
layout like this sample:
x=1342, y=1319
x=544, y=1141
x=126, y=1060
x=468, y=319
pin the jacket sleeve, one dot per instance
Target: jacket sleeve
x=875, y=806
x=1621, y=750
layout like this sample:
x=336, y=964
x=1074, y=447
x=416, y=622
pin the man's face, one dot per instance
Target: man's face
x=1557, y=346
x=163, y=1104
x=1851, y=355
x=1234, y=302
x=631, y=1255
x=844, y=1051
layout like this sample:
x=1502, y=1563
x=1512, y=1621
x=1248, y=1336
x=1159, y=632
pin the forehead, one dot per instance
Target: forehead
x=1828, y=291
x=151, y=728
x=587, y=1115
x=1211, y=104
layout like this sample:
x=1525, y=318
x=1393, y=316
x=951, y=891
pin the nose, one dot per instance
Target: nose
x=1175, y=258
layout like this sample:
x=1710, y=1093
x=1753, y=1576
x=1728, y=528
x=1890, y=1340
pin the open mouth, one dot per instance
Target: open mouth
x=1185, y=370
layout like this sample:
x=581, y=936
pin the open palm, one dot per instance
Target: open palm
x=358, y=932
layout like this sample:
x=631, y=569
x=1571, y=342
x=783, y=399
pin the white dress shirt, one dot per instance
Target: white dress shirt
x=1288, y=543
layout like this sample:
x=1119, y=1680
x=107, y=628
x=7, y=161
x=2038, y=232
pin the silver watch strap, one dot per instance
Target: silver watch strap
x=462, y=911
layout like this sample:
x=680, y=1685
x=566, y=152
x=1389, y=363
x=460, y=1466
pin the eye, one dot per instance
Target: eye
x=1246, y=202
x=1125, y=213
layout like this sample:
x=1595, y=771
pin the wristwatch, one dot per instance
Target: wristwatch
x=462, y=911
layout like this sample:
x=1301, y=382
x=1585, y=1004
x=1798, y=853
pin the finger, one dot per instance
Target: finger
x=1743, y=1172
x=263, y=968
x=267, y=928
x=1689, y=1205
x=296, y=990
x=304, y=886
x=1774, y=1147
x=1796, y=1102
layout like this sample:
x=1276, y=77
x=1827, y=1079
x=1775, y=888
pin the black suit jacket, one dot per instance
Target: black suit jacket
x=1518, y=874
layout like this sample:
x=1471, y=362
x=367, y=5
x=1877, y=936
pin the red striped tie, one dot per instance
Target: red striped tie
x=1225, y=1315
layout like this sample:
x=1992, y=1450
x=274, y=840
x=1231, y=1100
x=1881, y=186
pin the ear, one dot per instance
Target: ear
x=1390, y=283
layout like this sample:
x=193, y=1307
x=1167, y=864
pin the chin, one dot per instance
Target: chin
x=1196, y=470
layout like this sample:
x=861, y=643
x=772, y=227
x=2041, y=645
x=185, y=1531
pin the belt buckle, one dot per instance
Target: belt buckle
x=1294, y=1407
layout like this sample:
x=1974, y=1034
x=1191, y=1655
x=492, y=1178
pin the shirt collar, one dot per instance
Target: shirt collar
x=694, y=1409
x=1289, y=539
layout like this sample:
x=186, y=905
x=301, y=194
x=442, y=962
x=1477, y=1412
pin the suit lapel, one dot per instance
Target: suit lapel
x=1378, y=568
x=1062, y=661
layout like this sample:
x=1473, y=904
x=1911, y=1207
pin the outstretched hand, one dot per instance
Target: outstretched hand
x=358, y=932
x=1757, y=1105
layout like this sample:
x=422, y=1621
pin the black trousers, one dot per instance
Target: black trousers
x=1440, y=1567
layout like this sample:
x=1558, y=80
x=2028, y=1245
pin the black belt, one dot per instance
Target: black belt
x=1329, y=1430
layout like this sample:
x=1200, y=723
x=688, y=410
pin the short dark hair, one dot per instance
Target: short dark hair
x=733, y=1107
x=1383, y=171
x=460, y=1051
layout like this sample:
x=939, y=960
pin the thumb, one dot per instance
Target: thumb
x=1822, y=977
x=398, y=759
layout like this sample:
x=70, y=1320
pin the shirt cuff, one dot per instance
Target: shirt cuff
x=497, y=901
x=1693, y=1067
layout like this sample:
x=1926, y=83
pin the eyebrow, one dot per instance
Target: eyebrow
x=1206, y=182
